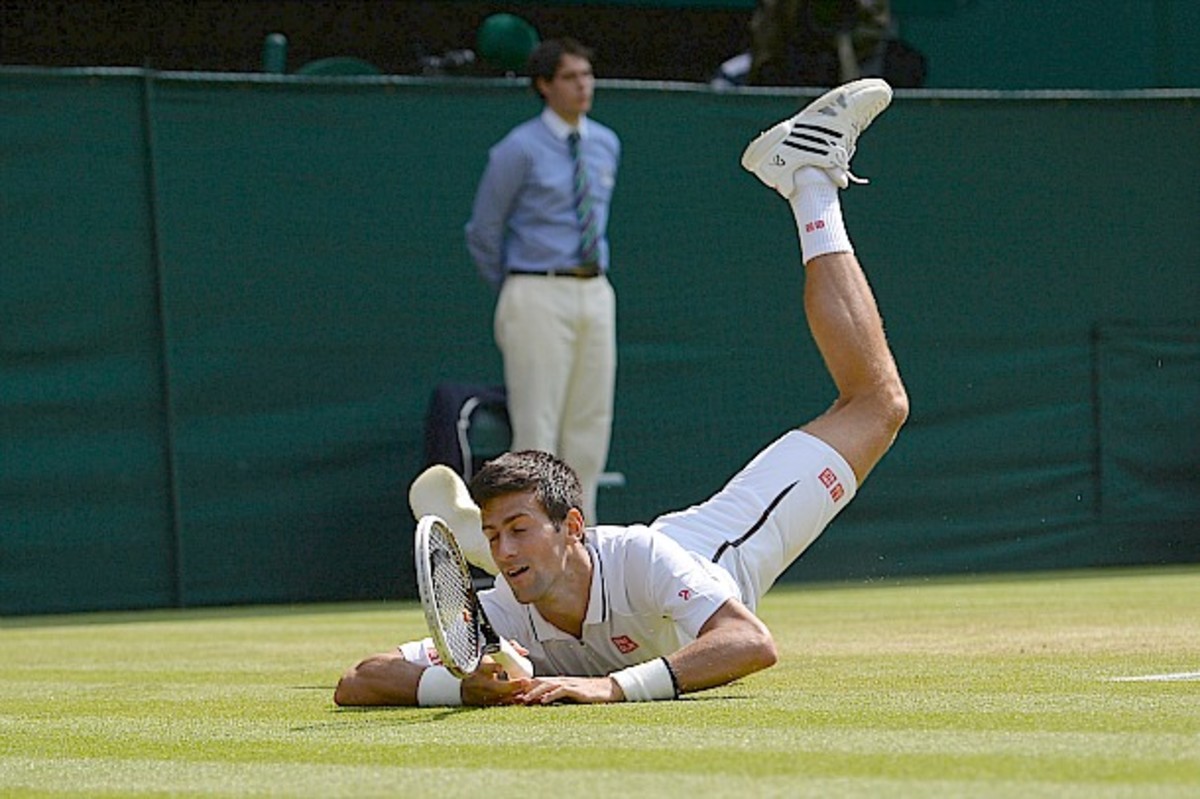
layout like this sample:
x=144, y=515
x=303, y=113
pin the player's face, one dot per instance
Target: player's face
x=569, y=92
x=532, y=553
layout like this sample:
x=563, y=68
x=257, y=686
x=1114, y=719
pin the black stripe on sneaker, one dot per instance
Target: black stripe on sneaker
x=826, y=131
x=807, y=137
x=806, y=148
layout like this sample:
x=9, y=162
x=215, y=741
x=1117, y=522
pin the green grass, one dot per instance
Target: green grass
x=981, y=687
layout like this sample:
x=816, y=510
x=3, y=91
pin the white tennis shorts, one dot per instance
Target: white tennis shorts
x=768, y=513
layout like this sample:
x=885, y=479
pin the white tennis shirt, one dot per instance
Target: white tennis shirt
x=650, y=594
x=649, y=597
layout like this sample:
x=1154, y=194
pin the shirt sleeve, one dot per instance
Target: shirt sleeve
x=422, y=652
x=494, y=199
x=676, y=585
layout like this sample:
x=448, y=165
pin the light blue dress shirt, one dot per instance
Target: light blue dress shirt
x=523, y=218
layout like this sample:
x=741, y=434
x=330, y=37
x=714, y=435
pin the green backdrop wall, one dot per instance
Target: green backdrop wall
x=227, y=299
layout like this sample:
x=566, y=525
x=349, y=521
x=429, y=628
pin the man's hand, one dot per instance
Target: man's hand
x=585, y=690
x=487, y=685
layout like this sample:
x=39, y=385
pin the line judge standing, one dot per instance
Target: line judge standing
x=537, y=234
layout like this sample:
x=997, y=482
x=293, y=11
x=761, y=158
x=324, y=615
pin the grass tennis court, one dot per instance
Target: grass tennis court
x=1082, y=684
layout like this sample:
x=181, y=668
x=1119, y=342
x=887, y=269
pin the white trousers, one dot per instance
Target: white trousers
x=768, y=513
x=558, y=338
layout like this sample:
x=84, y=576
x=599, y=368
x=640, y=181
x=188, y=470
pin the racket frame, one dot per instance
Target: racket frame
x=431, y=605
x=488, y=641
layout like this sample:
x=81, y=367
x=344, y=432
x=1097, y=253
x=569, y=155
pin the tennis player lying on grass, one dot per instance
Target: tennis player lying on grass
x=610, y=614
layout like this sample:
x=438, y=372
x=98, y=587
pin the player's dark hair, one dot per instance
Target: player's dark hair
x=544, y=60
x=554, y=484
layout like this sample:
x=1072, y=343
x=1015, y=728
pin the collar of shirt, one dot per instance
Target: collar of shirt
x=597, y=610
x=560, y=128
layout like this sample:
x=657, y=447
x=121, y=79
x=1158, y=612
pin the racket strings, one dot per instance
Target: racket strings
x=455, y=602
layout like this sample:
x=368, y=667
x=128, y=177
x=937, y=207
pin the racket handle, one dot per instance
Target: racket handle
x=515, y=665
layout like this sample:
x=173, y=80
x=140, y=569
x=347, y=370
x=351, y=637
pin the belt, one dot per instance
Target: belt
x=575, y=271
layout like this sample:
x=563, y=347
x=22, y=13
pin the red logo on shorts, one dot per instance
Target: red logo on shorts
x=685, y=594
x=625, y=644
x=830, y=481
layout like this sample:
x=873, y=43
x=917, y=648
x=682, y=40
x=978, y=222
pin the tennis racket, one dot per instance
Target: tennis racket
x=459, y=627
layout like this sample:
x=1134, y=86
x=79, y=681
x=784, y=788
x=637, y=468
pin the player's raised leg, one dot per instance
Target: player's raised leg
x=807, y=160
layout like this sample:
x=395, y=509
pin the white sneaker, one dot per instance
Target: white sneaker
x=439, y=491
x=823, y=134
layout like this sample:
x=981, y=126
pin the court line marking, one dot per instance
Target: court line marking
x=1178, y=676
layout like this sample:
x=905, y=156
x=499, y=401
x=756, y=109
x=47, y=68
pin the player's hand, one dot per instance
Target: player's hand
x=585, y=690
x=488, y=685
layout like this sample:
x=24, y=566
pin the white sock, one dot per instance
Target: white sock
x=818, y=213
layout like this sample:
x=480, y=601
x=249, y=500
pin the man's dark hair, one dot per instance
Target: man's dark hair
x=554, y=484
x=544, y=60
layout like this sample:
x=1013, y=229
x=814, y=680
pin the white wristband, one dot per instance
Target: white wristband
x=438, y=688
x=647, y=681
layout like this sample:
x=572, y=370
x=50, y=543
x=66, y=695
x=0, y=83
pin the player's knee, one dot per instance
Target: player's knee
x=894, y=402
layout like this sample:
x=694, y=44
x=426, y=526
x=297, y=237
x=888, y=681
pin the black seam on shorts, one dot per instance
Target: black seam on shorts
x=757, y=525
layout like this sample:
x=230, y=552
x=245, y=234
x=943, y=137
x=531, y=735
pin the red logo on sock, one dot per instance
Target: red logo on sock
x=812, y=226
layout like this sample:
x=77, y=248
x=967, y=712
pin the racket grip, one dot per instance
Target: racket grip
x=515, y=665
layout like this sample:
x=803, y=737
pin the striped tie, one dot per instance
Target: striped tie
x=589, y=241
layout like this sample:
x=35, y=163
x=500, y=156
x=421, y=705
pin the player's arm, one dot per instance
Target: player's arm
x=732, y=643
x=384, y=679
x=390, y=679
